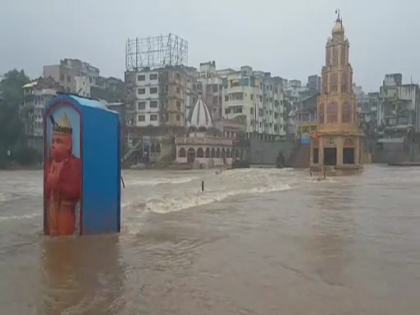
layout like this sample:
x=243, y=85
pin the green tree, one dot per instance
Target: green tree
x=12, y=133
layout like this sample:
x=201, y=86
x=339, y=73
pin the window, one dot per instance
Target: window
x=153, y=90
x=178, y=90
x=251, y=111
x=237, y=110
x=178, y=76
x=153, y=104
x=321, y=114
x=153, y=76
x=344, y=83
x=141, y=77
x=61, y=77
x=68, y=79
x=252, y=97
x=334, y=83
x=332, y=113
x=141, y=118
x=141, y=91
x=325, y=83
x=153, y=117
x=239, y=96
x=226, y=98
x=328, y=56
x=141, y=105
x=178, y=117
x=178, y=105
x=343, y=55
x=346, y=113
x=215, y=87
x=215, y=100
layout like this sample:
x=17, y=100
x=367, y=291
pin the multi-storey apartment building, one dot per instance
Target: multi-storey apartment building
x=76, y=76
x=160, y=98
x=314, y=83
x=259, y=98
x=65, y=72
x=399, y=108
x=367, y=108
x=36, y=95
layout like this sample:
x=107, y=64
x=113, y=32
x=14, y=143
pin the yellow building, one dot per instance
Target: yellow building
x=337, y=146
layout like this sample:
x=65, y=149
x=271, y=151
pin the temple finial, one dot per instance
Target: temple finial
x=338, y=15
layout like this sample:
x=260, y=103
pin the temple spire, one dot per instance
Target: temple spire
x=338, y=16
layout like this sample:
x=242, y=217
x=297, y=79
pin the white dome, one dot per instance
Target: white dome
x=200, y=117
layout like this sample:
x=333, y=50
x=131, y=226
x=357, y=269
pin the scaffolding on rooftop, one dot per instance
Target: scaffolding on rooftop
x=156, y=52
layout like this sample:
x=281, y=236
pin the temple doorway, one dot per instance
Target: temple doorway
x=330, y=156
x=190, y=155
x=348, y=156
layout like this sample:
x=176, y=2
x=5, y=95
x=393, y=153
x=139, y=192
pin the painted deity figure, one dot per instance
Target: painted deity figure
x=63, y=180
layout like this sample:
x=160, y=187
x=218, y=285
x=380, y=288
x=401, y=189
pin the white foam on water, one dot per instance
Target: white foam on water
x=159, y=181
x=166, y=204
x=20, y=217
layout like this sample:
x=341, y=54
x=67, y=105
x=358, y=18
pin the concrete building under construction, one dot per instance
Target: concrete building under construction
x=160, y=88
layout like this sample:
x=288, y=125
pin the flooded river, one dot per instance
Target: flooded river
x=257, y=241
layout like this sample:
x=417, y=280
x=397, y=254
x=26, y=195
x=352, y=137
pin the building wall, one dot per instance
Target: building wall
x=266, y=152
x=210, y=86
x=396, y=152
x=82, y=85
x=61, y=74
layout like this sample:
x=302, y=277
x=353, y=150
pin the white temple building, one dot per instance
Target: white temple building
x=202, y=145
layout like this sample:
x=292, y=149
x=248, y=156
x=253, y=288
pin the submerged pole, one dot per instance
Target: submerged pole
x=122, y=180
x=202, y=185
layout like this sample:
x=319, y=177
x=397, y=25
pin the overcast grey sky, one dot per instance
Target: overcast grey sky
x=286, y=38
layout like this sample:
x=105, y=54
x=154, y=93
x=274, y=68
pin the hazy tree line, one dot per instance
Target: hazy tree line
x=13, y=143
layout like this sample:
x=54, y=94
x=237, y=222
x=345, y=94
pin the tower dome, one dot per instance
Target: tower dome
x=338, y=27
x=200, y=117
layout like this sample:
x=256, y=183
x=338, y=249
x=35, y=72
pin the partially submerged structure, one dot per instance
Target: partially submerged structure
x=204, y=145
x=337, y=147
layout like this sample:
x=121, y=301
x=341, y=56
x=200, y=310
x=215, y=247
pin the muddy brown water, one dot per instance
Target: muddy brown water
x=257, y=241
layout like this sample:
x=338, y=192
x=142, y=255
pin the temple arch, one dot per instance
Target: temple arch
x=218, y=153
x=182, y=153
x=213, y=153
x=200, y=153
x=190, y=155
x=207, y=153
x=158, y=148
x=348, y=143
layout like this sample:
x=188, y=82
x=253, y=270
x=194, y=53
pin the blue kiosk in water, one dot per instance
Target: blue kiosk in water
x=82, y=167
